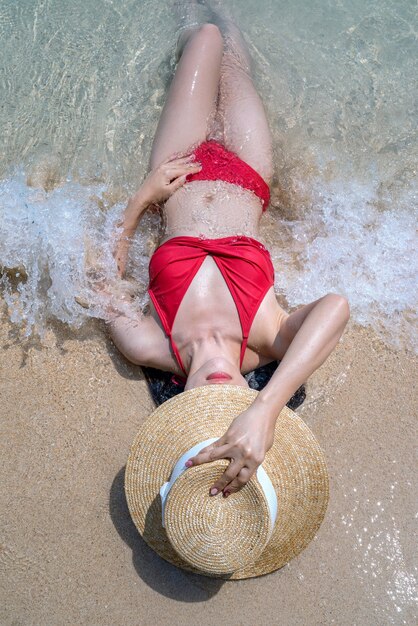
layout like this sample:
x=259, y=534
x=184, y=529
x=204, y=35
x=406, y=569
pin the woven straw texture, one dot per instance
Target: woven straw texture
x=216, y=535
x=199, y=528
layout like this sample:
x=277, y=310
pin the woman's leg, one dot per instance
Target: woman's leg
x=245, y=125
x=193, y=93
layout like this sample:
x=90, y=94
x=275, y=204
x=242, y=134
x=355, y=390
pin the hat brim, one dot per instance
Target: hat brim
x=295, y=464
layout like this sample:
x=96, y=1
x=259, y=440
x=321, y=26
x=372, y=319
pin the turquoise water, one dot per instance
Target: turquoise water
x=83, y=84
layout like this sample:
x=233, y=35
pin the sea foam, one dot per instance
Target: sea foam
x=350, y=244
x=346, y=243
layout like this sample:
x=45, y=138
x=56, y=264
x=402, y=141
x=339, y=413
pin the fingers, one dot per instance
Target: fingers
x=233, y=473
x=239, y=481
x=174, y=158
x=177, y=176
x=235, y=476
x=211, y=453
x=177, y=183
x=238, y=472
x=187, y=168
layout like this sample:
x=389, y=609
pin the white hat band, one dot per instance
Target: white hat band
x=262, y=476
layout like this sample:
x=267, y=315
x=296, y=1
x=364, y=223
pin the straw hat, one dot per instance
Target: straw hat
x=254, y=531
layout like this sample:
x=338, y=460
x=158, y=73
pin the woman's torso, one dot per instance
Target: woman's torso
x=212, y=210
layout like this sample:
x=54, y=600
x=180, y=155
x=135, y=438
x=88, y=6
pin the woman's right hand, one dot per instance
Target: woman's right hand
x=165, y=179
x=158, y=186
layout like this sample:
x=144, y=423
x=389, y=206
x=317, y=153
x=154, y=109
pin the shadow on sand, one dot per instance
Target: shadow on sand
x=158, y=574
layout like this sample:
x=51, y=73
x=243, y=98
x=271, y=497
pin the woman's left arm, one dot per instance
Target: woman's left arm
x=309, y=334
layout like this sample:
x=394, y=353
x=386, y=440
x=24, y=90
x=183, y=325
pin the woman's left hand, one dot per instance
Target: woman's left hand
x=245, y=443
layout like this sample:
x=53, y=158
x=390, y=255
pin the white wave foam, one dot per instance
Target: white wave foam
x=43, y=240
x=348, y=245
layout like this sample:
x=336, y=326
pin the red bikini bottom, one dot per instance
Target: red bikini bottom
x=218, y=163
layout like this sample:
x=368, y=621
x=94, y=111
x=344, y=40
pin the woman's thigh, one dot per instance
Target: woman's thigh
x=245, y=126
x=192, y=96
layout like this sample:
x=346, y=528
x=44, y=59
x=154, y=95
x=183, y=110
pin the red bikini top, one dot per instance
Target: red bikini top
x=244, y=263
x=218, y=163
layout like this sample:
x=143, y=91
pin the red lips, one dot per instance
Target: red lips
x=219, y=376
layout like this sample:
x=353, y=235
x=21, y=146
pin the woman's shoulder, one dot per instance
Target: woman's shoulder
x=142, y=341
x=266, y=326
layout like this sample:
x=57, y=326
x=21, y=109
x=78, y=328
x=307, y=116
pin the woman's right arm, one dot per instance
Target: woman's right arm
x=158, y=186
x=138, y=338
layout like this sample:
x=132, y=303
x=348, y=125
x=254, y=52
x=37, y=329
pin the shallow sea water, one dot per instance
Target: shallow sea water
x=83, y=85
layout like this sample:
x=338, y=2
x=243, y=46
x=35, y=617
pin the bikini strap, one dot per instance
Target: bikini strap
x=177, y=355
x=243, y=348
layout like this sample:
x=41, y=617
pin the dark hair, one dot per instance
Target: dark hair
x=165, y=385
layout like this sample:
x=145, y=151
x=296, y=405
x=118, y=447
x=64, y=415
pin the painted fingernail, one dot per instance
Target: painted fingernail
x=188, y=463
x=213, y=491
x=226, y=494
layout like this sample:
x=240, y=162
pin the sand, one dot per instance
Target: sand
x=71, y=555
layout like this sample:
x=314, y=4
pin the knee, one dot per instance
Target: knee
x=210, y=34
x=340, y=305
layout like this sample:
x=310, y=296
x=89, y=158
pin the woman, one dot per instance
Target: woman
x=214, y=315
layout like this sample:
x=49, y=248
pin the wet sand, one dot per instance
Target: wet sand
x=71, y=555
